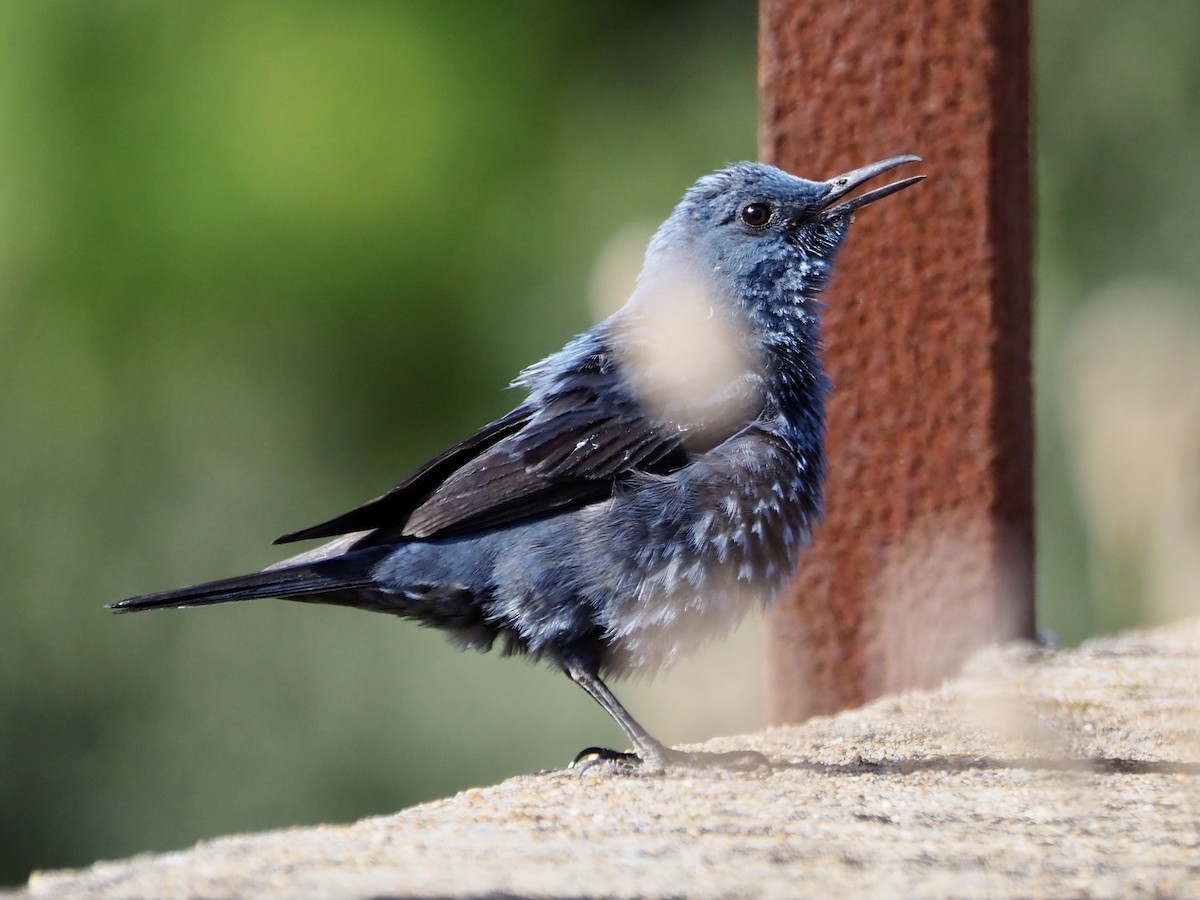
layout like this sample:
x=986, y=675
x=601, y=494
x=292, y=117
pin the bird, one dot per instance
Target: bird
x=659, y=480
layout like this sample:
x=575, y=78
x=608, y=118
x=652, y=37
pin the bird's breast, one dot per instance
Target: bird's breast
x=701, y=548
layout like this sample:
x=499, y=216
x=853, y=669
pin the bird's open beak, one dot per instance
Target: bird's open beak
x=842, y=185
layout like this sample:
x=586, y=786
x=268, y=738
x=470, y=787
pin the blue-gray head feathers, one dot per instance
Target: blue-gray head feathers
x=767, y=239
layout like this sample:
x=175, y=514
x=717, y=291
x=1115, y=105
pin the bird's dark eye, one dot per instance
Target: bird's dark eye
x=756, y=215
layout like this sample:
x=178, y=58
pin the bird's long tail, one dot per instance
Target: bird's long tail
x=337, y=581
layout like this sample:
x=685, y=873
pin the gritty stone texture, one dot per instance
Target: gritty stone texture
x=1037, y=773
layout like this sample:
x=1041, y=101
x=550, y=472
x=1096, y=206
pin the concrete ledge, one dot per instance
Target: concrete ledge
x=1036, y=774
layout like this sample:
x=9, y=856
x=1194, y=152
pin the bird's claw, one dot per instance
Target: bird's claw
x=592, y=756
x=665, y=760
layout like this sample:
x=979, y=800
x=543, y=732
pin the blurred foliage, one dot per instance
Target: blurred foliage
x=1117, y=126
x=258, y=260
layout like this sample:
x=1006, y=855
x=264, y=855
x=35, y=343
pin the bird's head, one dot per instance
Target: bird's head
x=728, y=276
x=761, y=233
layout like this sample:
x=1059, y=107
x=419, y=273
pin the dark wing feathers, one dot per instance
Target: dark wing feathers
x=548, y=465
x=564, y=448
x=493, y=490
x=587, y=446
x=397, y=503
x=565, y=453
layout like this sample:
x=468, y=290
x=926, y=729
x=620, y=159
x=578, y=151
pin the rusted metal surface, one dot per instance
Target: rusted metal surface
x=927, y=549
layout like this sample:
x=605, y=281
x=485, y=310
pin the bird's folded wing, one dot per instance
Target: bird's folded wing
x=563, y=452
x=397, y=503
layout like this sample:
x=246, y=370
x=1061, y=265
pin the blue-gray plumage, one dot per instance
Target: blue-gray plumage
x=658, y=481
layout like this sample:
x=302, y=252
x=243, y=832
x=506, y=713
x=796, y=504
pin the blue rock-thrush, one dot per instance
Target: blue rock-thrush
x=658, y=481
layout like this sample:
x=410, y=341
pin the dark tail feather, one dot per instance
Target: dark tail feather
x=330, y=580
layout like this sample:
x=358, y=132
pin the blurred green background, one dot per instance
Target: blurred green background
x=258, y=260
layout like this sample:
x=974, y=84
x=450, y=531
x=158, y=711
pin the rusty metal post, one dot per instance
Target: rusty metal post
x=927, y=549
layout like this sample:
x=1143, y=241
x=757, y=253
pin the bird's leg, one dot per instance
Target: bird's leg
x=651, y=755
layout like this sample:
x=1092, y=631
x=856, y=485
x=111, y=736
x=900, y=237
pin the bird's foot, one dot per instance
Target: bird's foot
x=618, y=760
x=661, y=760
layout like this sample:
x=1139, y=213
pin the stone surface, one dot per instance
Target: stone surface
x=1037, y=773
